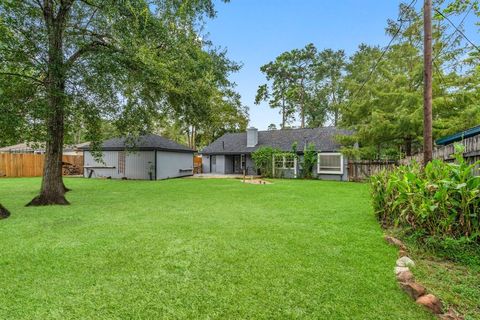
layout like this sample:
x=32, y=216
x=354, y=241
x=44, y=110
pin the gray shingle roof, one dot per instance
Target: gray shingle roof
x=148, y=142
x=323, y=138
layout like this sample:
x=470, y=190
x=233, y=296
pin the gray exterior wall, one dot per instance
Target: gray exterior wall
x=171, y=164
x=137, y=165
x=290, y=173
x=206, y=163
x=225, y=166
x=111, y=160
x=251, y=169
x=220, y=164
x=228, y=164
x=336, y=177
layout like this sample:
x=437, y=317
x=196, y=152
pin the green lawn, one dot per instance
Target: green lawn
x=197, y=249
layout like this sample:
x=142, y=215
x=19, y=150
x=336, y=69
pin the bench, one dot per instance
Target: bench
x=91, y=171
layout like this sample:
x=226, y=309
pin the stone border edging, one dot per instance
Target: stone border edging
x=416, y=291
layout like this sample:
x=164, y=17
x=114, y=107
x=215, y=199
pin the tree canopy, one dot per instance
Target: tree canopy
x=70, y=64
x=378, y=92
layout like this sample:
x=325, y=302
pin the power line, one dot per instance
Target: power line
x=374, y=67
x=456, y=28
x=453, y=33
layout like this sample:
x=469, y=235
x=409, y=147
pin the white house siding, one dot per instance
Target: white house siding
x=137, y=165
x=110, y=159
x=171, y=164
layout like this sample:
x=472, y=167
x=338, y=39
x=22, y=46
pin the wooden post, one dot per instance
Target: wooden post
x=295, y=166
x=273, y=166
x=427, y=93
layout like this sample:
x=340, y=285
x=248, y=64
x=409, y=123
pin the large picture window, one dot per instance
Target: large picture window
x=330, y=163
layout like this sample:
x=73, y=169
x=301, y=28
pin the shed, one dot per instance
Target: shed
x=148, y=157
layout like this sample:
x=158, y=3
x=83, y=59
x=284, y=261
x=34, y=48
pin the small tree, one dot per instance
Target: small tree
x=4, y=213
x=263, y=158
x=309, y=160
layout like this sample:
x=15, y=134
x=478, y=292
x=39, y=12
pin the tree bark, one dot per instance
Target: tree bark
x=427, y=95
x=284, y=110
x=53, y=190
x=302, y=106
x=4, y=213
x=408, y=146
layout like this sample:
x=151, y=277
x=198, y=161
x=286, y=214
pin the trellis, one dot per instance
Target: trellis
x=284, y=161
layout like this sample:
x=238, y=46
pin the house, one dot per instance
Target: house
x=39, y=148
x=231, y=153
x=148, y=157
x=459, y=136
x=470, y=139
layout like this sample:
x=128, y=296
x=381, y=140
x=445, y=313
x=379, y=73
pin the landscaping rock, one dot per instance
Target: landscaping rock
x=405, y=276
x=395, y=242
x=405, y=262
x=413, y=289
x=398, y=270
x=402, y=253
x=431, y=302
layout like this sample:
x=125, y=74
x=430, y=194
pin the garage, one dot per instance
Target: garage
x=148, y=157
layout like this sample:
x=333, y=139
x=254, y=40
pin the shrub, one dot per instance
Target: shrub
x=440, y=201
x=309, y=160
x=263, y=158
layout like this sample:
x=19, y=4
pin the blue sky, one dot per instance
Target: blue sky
x=256, y=31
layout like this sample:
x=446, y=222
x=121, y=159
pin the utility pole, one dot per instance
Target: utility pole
x=427, y=76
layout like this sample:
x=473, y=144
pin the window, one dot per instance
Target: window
x=330, y=163
x=242, y=161
x=285, y=161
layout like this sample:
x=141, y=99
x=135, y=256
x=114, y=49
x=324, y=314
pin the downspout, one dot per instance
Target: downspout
x=155, y=164
x=83, y=165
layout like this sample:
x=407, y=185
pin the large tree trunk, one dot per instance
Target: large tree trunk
x=53, y=190
x=4, y=213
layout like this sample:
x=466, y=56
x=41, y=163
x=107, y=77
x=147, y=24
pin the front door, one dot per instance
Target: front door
x=236, y=164
x=213, y=164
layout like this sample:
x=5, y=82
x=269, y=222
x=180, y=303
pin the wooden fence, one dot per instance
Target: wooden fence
x=471, y=150
x=197, y=164
x=360, y=170
x=31, y=165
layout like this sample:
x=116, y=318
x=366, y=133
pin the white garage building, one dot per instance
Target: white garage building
x=151, y=157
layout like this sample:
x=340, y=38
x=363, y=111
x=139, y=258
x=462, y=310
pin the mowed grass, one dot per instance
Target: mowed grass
x=197, y=249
